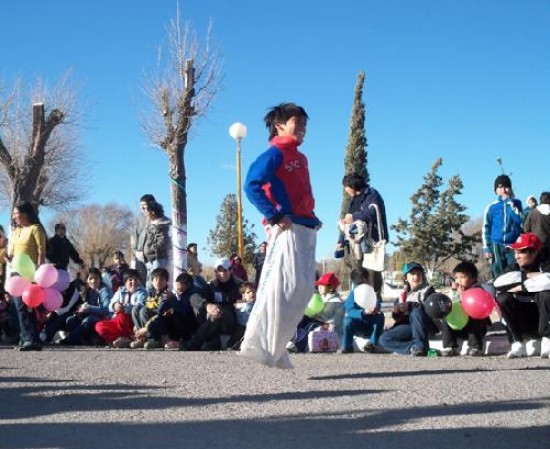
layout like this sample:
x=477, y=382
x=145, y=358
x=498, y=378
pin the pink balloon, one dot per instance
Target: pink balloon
x=16, y=285
x=46, y=275
x=53, y=299
x=33, y=295
x=63, y=281
x=477, y=303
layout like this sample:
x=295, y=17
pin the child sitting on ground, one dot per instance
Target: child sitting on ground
x=413, y=328
x=142, y=315
x=465, y=274
x=359, y=321
x=332, y=313
x=243, y=308
x=118, y=331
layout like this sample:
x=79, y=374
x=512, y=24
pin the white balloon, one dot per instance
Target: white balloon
x=365, y=297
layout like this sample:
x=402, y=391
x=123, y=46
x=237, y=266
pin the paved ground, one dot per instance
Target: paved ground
x=101, y=398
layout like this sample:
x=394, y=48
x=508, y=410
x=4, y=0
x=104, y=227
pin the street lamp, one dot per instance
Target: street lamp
x=238, y=131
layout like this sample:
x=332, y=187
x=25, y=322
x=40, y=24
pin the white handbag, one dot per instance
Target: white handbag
x=376, y=259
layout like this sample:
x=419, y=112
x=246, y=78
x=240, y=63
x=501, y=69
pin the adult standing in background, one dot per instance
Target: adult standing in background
x=501, y=226
x=137, y=239
x=157, y=242
x=193, y=265
x=60, y=250
x=3, y=248
x=363, y=205
x=237, y=266
x=28, y=237
x=258, y=262
x=538, y=222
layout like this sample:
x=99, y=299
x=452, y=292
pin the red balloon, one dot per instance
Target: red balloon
x=477, y=303
x=33, y=295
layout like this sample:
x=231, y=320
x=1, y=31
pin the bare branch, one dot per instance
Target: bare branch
x=39, y=152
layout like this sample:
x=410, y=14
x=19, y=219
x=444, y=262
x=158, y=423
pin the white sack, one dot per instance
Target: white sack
x=286, y=286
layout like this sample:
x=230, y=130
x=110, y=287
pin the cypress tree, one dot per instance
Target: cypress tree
x=355, y=160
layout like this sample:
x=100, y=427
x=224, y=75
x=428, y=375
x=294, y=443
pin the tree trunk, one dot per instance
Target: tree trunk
x=179, y=213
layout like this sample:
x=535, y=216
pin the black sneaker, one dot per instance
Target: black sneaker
x=153, y=344
x=188, y=346
x=369, y=347
x=30, y=347
x=416, y=352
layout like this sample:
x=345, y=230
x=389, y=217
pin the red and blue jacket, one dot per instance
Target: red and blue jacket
x=278, y=184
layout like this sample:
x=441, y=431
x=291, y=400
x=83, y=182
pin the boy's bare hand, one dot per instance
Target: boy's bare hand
x=285, y=223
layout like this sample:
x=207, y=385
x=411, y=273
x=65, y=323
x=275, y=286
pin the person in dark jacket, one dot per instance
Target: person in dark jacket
x=60, y=250
x=363, y=205
x=175, y=318
x=523, y=294
x=259, y=259
x=538, y=222
x=216, y=311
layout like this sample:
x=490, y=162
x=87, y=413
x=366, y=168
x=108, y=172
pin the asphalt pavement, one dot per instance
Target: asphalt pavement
x=133, y=399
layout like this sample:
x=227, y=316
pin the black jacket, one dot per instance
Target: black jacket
x=59, y=250
x=359, y=207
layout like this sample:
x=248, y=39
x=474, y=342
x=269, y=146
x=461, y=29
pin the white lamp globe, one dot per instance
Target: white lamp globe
x=237, y=131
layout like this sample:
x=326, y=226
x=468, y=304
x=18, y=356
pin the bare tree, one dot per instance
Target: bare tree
x=39, y=146
x=188, y=79
x=98, y=231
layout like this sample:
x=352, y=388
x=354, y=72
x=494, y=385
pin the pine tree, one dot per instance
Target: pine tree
x=223, y=240
x=434, y=232
x=355, y=160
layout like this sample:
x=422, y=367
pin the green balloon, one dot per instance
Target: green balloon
x=315, y=305
x=23, y=264
x=457, y=319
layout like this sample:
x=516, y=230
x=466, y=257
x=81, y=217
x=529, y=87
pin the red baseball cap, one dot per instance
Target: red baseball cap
x=528, y=240
x=329, y=279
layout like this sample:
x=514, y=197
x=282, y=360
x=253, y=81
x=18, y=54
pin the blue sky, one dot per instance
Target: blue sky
x=464, y=80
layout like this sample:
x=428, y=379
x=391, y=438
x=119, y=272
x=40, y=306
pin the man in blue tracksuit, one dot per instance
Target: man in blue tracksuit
x=501, y=226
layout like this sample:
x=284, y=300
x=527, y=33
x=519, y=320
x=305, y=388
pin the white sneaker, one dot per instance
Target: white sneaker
x=545, y=347
x=291, y=347
x=532, y=347
x=517, y=350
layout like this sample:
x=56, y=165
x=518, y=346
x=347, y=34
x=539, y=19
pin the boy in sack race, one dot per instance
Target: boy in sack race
x=278, y=185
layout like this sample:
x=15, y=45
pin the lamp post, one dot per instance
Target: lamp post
x=238, y=131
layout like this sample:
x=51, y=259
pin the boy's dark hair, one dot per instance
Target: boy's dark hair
x=355, y=181
x=59, y=226
x=359, y=276
x=504, y=181
x=160, y=273
x=185, y=278
x=246, y=286
x=147, y=198
x=467, y=268
x=281, y=114
x=545, y=198
x=130, y=273
x=94, y=270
